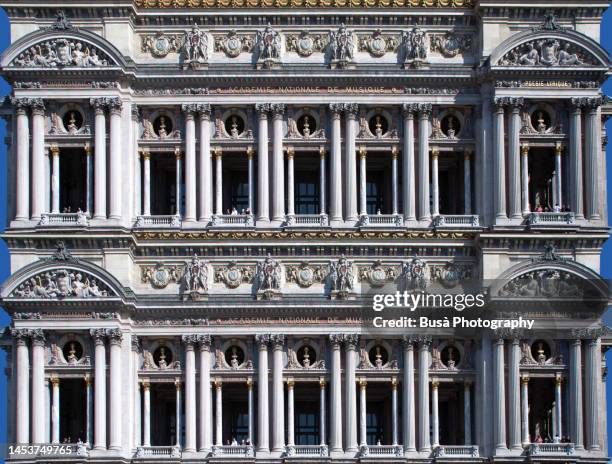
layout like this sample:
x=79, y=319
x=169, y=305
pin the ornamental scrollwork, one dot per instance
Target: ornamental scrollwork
x=232, y=44
x=451, y=44
x=414, y=274
x=160, y=275
x=233, y=275
x=268, y=44
x=60, y=53
x=546, y=283
x=341, y=47
x=450, y=275
x=195, y=278
x=377, y=44
x=378, y=274
x=549, y=52
x=195, y=48
x=61, y=283
x=305, y=44
x=306, y=274
x=414, y=47
x=161, y=45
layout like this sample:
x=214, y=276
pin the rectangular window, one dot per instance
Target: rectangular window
x=307, y=428
x=307, y=196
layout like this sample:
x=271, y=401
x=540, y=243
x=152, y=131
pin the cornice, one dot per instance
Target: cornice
x=289, y=4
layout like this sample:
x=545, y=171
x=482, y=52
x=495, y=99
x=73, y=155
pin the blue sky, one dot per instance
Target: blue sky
x=4, y=269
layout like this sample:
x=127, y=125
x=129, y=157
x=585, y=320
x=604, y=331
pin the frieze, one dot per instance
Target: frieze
x=323, y=235
x=233, y=275
x=451, y=44
x=160, y=275
x=161, y=45
x=305, y=44
x=60, y=53
x=61, y=283
x=392, y=4
x=172, y=322
x=377, y=44
x=547, y=84
x=306, y=274
x=548, y=53
x=233, y=44
x=378, y=274
x=546, y=283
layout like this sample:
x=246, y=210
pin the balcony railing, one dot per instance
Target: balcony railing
x=381, y=220
x=233, y=451
x=456, y=452
x=157, y=452
x=543, y=219
x=307, y=220
x=233, y=220
x=158, y=221
x=558, y=449
x=300, y=451
x=78, y=219
x=457, y=220
x=381, y=451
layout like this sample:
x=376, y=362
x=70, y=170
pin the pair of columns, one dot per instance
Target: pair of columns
x=55, y=409
x=363, y=212
x=363, y=437
x=146, y=427
x=291, y=412
x=511, y=195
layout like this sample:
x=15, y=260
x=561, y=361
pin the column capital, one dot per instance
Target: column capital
x=424, y=341
x=350, y=341
x=335, y=340
x=98, y=335
x=409, y=110
x=204, y=340
x=408, y=341
x=290, y=152
x=177, y=384
x=218, y=383
x=467, y=384
x=115, y=105
x=203, y=110
x=435, y=152
x=593, y=104
x=145, y=384
x=146, y=154
x=217, y=152
x=425, y=110
x=135, y=344
x=178, y=154
x=525, y=380
x=363, y=153
x=335, y=109
x=394, y=383
x=578, y=103
x=558, y=380
x=435, y=383
x=189, y=340
x=250, y=383
x=363, y=383
x=394, y=152
x=322, y=383
x=589, y=333
x=558, y=148
x=277, y=341
x=38, y=107
x=250, y=152
x=263, y=340
x=88, y=379
x=88, y=149
x=38, y=337
x=277, y=110
x=115, y=336
x=467, y=154
x=189, y=109
x=322, y=152
x=514, y=335
x=350, y=109
x=20, y=335
x=263, y=109
x=290, y=384
x=55, y=381
x=525, y=148
x=22, y=104
x=54, y=149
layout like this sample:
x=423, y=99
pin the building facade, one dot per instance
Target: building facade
x=203, y=193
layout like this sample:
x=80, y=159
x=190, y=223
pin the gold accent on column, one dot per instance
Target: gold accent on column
x=87, y=379
x=217, y=152
x=250, y=152
x=558, y=379
x=363, y=383
x=435, y=152
x=435, y=383
x=55, y=151
x=394, y=152
x=558, y=148
x=322, y=152
x=362, y=152
x=146, y=385
x=250, y=383
x=394, y=383
x=55, y=381
x=525, y=380
x=525, y=149
x=467, y=156
x=290, y=152
x=322, y=383
x=146, y=155
x=177, y=384
x=178, y=154
x=290, y=384
x=88, y=149
x=218, y=384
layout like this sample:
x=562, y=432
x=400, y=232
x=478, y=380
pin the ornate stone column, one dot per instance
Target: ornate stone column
x=350, y=111
x=435, y=185
x=263, y=198
x=251, y=173
x=116, y=167
x=263, y=424
x=278, y=397
x=177, y=386
x=278, y=172
x=99, y=105
x=146, y=174
x=525, y=178
x=22, y=212
x=290, y=185
x=351, y=342
x=363, y=199
x=499, y=397
x=335, y=167
x=558, y=406
x=424, y=362
x=190, y=389
x=514, y=403
x=575, y=393
x=146, y=390
x=592, y=372
x=250, y=410
x=363, y=431
x=189, y=111
x=593, y=149
x=558, y=174
x=435, y=421
x=115, y=337
x=514, y=130
x=525, y=439
x=137, y=165
x=205, y=163
x=322, y=412
x=55, y=409
x=89, y=180
x=467, y=413
x=55, y=179
x=576, y=183
x=99, y=336
x=394, y=411
x=218, y=154
x=178, y=156
x=322, y=183
x=38, y=385
x=408, y=414
x=424, y=130
x=394, y=182
x=499, y=159
x=218, y=412
x=467, y=181
x=290, y=414
x=408, y=175
x=335, y=418
x=88, y=411
x=38, y=160
x=22, y=386
x=205, y=404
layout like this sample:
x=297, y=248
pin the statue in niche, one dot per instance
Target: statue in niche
x=195, y=48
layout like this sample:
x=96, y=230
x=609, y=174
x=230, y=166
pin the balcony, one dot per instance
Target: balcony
x=233, y=451
x=456, y=452
x=551, y=219
x=233, y=220
x=158, y=452
x=302, y=451
x=381, y=451
x=381, y=220
x=78, y=219
x=307, y=220
x=456, y=221
x=551, y=449
x=161, y=222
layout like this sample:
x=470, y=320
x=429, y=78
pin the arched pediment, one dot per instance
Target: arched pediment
x=550, y=48
x=60, y=49
x=61, y=279
x=551, y=277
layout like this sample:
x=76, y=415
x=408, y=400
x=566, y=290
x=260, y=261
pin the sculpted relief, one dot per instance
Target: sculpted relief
x=61, y=283
x=547, y=52
x=60, y=52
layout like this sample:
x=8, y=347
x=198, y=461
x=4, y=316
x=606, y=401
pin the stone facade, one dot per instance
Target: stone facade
x=202, y=194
